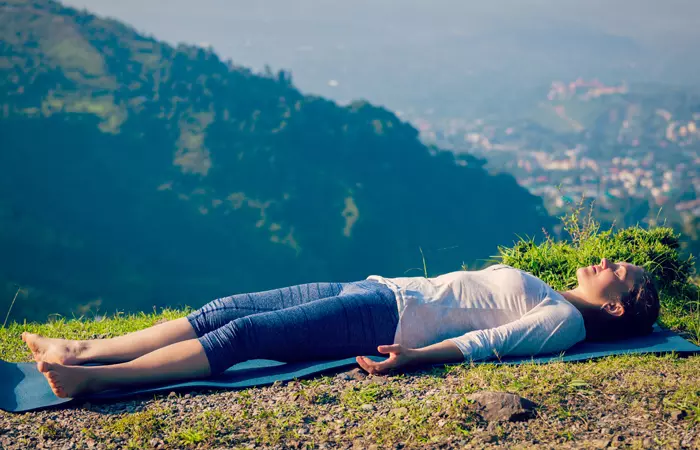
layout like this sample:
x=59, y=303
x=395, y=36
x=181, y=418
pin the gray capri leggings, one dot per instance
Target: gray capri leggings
x=306, y=322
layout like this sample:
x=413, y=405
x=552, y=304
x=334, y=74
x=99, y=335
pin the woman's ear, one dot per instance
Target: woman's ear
x=613, y=308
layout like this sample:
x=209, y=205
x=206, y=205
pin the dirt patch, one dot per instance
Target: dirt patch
x=625, y=402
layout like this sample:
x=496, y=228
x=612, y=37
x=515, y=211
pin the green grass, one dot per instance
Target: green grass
x=357, y=396
x=12, y=348
x=138, y=427
x=49, y=430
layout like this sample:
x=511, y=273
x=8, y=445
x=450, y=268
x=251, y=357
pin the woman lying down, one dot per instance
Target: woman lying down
x=458, y=316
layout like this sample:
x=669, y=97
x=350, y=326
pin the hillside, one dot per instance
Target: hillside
x=135, y=174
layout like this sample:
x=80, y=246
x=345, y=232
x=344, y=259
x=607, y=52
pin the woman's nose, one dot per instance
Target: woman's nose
x=604, y=263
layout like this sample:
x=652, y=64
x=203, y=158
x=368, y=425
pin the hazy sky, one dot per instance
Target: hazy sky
x=218, y=21
x=381, y=49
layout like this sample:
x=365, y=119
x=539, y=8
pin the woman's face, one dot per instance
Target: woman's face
x=606, y=282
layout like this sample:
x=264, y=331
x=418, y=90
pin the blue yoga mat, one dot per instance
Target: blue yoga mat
x=24, y=388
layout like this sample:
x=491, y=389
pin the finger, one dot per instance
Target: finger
x=373, y=367
x=384, y=366
x=365, y=363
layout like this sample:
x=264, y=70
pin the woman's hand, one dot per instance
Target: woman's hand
x=399, y=356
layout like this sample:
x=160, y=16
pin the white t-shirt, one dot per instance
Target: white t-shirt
x=487, y=313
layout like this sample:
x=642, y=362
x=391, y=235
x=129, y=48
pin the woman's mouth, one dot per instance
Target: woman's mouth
x=594, y=269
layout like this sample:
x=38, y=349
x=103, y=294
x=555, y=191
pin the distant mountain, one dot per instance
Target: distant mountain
x=134, y=174
x=438, y=59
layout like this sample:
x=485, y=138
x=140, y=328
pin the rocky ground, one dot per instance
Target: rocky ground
x=621, y=402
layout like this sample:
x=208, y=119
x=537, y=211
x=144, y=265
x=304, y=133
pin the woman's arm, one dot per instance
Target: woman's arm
x=550, y=329
x=401, y=357
x=442, y=352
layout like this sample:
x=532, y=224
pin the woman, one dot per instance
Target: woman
x=503, y=310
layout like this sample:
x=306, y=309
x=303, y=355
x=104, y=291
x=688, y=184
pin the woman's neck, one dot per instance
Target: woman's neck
x=574, y=297
x=593, y=316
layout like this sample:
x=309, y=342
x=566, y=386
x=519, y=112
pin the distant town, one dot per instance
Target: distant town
x=626, y=152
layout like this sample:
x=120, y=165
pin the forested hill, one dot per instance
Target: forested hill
x=136, y=174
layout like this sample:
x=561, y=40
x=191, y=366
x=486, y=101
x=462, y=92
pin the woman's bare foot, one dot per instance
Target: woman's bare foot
x=68, y=381
x=61, y=351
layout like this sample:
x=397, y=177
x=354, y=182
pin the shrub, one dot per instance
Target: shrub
x=656, y=249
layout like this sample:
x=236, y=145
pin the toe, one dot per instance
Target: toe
x=58, y=390
x=55, y=387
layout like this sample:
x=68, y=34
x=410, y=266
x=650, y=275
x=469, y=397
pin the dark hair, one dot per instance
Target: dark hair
x=641, y=309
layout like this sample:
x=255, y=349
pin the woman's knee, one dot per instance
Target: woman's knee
x=227, y=345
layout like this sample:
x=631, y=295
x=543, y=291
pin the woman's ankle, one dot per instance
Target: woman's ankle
x=83, y=351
